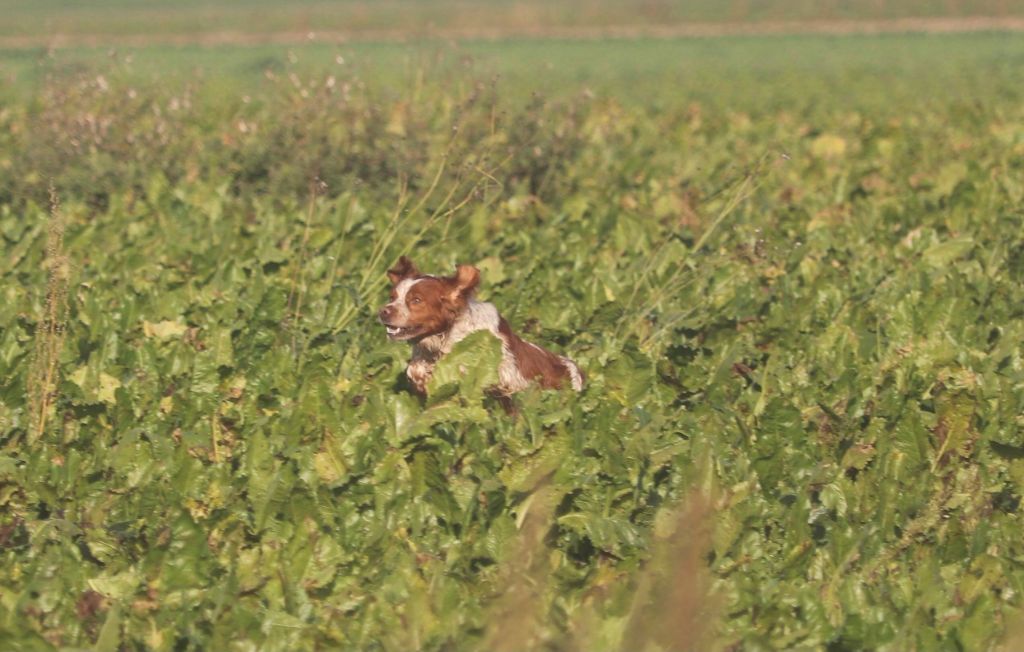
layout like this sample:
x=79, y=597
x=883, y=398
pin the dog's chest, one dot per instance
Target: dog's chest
x=478, y=316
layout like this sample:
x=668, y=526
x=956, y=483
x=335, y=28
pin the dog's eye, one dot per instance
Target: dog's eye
x=415, y=300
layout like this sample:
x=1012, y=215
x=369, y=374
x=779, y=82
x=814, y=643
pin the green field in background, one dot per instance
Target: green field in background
x=881, y=72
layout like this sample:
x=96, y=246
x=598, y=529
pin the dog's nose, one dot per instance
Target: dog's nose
x=385, y=313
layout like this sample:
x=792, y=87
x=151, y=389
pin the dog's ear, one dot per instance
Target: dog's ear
x=465, y=281
x=402, y=270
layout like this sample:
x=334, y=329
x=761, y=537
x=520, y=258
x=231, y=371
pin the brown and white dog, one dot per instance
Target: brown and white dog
x=435, y=312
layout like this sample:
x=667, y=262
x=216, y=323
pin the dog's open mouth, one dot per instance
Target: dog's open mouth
x=398, y=332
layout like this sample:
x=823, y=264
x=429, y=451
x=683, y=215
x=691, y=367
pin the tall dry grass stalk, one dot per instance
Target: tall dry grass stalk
x=739, y=189
x=43, y=373
x=1013, y=635
x=297, y=292
x=673, y=608
x=463, y=190
x=515, y=619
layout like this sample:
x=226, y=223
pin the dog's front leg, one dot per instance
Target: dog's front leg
x=419, y=373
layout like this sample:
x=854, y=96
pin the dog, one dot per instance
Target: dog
x=435, y=312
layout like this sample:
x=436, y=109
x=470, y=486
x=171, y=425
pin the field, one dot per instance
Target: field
x=110, y=21
x=791, y=267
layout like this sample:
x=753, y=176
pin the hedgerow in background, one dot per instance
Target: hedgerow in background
x=799, y=320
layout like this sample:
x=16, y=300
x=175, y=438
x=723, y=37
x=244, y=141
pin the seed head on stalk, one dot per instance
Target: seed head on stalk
x=50, y=330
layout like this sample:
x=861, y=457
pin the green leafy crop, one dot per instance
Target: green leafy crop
x=793, y=276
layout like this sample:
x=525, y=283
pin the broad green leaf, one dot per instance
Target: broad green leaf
x=472, y=366
x=944, y=253
x=118, y=587
x=164, y=330
x=109, y=639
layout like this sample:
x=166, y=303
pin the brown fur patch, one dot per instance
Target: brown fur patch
x=466, y=279
x=402, y=270
x=433, y=305
x=534, y=362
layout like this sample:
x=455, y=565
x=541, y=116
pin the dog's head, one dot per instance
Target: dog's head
x=423, y=305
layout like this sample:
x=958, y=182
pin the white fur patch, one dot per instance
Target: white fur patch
x=575, y=376
x=399, y=304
